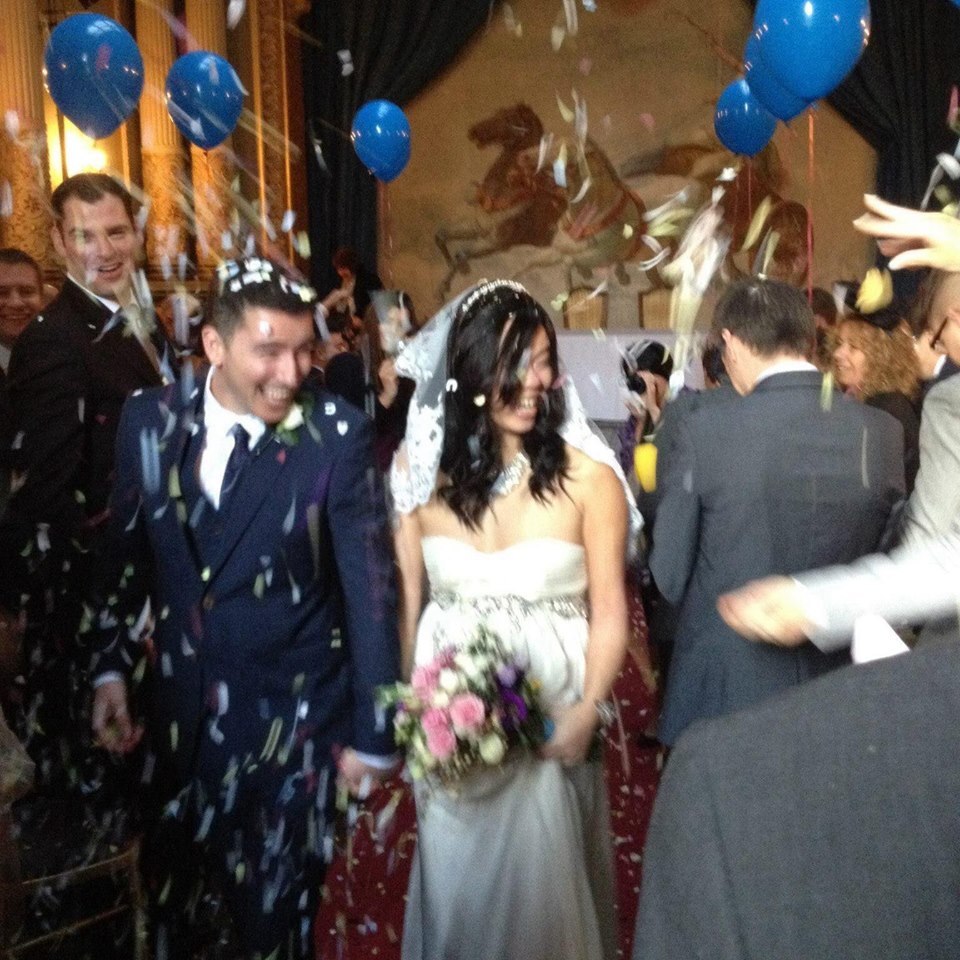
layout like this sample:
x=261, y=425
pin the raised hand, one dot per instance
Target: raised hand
x=913, y=238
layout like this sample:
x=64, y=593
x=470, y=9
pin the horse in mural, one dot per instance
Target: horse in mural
x=563, y=199
x=567, y=202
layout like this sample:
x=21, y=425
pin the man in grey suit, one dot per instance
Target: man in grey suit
x=784, y=478
x=935, y=500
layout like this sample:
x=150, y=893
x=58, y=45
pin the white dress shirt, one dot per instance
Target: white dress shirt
x=219, y=442
x=785, y=366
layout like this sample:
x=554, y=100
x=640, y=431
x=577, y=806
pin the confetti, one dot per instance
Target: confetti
x=235, y=11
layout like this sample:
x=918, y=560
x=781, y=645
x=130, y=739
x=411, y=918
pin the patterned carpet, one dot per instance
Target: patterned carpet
x=362, y=913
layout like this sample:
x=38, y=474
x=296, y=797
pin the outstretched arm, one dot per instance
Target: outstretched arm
x=918, y=582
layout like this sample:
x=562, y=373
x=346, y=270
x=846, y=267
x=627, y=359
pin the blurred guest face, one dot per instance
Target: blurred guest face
x=260, y=366
x=849, y=359
x=99, y=244
x=21, y=296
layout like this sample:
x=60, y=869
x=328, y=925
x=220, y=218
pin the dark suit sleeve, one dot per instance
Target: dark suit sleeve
x=47, y=391
x=364, y=558
x=677, y=528
x=687, y=904
x=122, y=569
x=46, y=388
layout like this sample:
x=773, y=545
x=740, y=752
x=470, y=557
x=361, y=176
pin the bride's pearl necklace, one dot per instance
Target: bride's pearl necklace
x=510, y=475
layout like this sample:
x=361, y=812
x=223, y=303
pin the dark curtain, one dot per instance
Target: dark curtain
x=898, y=95
x=397, y=47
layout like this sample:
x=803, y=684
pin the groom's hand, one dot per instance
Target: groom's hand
x=112, y=727
x=360, y=778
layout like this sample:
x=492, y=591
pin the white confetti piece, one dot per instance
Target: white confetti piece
x=289, y=219
x=342, y=427
x=235, y=11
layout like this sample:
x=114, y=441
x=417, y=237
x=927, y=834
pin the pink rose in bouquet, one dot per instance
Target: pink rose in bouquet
x=435, y=719
x=467, y=713
x=424, y=680
x=441, y=742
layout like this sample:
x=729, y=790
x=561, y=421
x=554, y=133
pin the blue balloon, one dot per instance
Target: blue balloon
x=811, y=45
x=94, y=72
x=767, y=89
x=742, y=125
x=381, y=138
x=204, y=98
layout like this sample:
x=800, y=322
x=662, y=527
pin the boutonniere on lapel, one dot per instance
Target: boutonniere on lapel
x=288, y=429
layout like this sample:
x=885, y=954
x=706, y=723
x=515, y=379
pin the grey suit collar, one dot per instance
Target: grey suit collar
x=790, y=380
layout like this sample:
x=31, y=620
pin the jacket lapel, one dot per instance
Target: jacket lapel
x=103, y=326
x=182, y=461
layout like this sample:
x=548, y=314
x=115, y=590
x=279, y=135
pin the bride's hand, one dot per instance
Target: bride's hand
x=572, y=735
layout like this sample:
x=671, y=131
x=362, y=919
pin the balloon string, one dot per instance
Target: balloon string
x=810, y=165
x=386, y=220
x=331, y=126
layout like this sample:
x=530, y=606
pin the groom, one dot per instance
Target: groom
x=249, y=553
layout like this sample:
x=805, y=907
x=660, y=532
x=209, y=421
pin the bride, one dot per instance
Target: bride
x=512, y=513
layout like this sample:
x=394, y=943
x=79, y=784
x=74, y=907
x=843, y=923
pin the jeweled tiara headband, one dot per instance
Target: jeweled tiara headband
x=487, y=287
x=234, y=275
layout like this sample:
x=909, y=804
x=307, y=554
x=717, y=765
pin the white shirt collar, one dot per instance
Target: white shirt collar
x=785, y=366
x=219, y=421
x=4, y=358
x=112, y=305
x=939, y=366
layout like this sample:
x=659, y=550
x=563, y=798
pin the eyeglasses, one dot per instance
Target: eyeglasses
x=935, y=339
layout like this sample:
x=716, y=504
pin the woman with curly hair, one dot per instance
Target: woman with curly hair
x=874, y=360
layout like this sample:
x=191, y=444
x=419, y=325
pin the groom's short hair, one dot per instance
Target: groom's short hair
x=255, y=282
x=769, y=316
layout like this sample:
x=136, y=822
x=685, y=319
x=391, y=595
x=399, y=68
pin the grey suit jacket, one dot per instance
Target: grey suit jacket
x=935, y=501
x=820, y=826
x=774, y=482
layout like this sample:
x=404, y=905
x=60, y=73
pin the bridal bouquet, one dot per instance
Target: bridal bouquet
x=465, y=709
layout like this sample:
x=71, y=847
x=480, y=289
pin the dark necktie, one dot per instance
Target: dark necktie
x=239, y=456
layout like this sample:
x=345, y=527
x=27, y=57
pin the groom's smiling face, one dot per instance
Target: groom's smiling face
x=260, y=365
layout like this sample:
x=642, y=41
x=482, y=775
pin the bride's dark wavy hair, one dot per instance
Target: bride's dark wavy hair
x=487, y=353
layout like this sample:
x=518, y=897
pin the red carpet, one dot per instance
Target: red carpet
x=362, y=914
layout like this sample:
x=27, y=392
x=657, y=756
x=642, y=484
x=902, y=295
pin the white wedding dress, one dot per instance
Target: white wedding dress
x=518, y=864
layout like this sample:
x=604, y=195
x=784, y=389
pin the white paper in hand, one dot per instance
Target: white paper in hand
x=874, y=639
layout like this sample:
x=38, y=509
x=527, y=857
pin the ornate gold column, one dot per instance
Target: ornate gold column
x=279, y=131
x=163, y=162
x=24, y=176
x=212, y=171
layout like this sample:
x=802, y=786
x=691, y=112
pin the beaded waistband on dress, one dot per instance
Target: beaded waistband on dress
x=570, y=605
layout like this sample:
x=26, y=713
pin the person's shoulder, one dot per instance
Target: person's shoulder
x=148, y=402
x=330, y=413
x=946, y=391
x=587, y=476
x=834, y=712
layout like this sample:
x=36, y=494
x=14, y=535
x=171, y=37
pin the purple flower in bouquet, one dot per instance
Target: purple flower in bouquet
x=514, y=708
x=507, y=674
